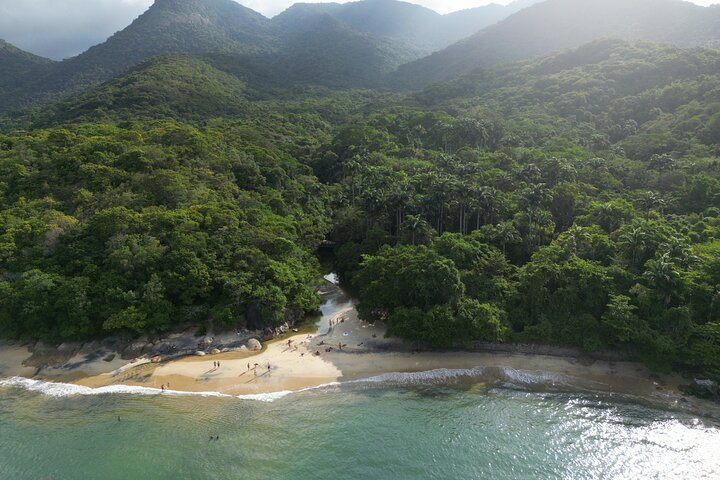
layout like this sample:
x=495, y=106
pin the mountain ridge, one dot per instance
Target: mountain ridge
x=554, y=25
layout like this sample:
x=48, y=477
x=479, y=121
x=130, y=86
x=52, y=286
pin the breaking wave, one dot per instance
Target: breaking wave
x=55, y=389
x=498, y=376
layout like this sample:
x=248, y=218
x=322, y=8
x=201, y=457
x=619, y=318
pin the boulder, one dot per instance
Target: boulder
x=109, y=358
x=200, y=353
x=703, y=388
x=136, y=349
x=215, y=351
x=243, y=349
x=254, y=345
x=156, y=359
x=268, y=334
x=69, y=347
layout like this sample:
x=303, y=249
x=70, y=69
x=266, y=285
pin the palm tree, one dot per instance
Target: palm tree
x=398, y=198
x=662, y=275
x=608, y=217
x=352, y=168
x=461, y=194
x=679, y=252
x=633, y=241
x=530, y=173
x=648, y=201
x=415, y=224
x=486, y=202
x=533, y=197
x=596, y=163
x=505, y=233
x=662, y=162
x=574, y=237
x=543, y=222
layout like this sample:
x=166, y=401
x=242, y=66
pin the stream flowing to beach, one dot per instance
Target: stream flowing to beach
x=433, y=425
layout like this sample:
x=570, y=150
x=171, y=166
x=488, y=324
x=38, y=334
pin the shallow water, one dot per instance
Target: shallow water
x=414, y=429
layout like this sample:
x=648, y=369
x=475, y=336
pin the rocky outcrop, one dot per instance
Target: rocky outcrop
x=703, y=388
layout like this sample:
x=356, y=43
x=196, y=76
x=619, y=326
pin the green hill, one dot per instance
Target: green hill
x=560, y=24
x=169, y=26
x=170, y=86
x=17, y=66
x=646, y=98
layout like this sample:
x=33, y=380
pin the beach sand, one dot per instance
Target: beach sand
x=312, y=360
x=366, y=353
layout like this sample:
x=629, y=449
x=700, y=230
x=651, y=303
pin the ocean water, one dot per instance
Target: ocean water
x=421, y=426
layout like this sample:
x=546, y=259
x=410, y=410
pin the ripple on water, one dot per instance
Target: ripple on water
x=380, y=430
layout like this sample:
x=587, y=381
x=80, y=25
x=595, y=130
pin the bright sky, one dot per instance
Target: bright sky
x=62, y=28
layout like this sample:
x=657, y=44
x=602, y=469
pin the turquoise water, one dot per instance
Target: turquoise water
x=420, y=429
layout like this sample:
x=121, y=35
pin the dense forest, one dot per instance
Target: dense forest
x=572, y=199
x=150, y=226
x=536, y=203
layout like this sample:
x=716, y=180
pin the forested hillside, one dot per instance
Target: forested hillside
x=537, y=203
x=173, y=86
x=149, y=226
x=421, y=30
x=554, y=25
x=16, y=66
x=572, y=199
x=354, y=45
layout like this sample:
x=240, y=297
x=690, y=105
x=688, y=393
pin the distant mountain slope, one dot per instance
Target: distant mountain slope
x=325, y=51
x=16, y=65
x=169, y=26
x=558, y=24
x=169, y=86
x=419, y=28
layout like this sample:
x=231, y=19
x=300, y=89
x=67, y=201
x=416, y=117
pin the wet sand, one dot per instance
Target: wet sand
x=12, y=358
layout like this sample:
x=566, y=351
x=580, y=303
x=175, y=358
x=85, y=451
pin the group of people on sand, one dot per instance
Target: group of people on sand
x=336, y=322
x=255, y=367
x=216, y=365
x=164, y=387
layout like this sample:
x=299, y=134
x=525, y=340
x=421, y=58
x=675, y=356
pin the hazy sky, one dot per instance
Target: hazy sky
x=63, y=28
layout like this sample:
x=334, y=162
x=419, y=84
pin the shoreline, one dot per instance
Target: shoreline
x=314, y=360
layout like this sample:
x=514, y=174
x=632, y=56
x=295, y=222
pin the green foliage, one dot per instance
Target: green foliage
x=148, y=227
x=569, y=200
x=174, y=86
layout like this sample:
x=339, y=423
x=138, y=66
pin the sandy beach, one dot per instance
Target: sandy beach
x=304, y=361
x=344, y=348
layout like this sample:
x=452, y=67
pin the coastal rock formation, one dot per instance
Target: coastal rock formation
x=254, y=344
x=703, y=388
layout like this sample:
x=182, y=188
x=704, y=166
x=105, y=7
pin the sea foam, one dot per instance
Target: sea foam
x=505, y=376
x=56, y=389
